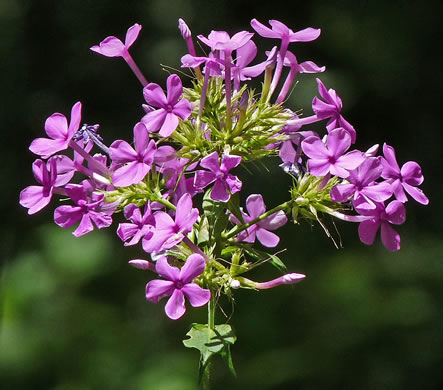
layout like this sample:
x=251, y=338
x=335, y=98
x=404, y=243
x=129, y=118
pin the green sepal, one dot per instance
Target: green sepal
x=211, y=342
x=261, y=257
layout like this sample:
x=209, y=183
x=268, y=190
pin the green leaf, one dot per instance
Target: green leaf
x=211, y=342
x=261, y=257
x=234, y=208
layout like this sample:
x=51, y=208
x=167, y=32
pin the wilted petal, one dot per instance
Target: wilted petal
x=234, y=183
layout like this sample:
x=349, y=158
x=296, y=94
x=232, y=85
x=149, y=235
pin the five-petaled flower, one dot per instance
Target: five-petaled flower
x=178, y=285
x=171, y=108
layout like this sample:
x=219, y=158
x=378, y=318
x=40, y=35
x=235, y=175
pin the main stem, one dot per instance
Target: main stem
x=206, y=378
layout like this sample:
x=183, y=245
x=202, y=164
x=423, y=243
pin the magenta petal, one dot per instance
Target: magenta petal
x=305, y=35
x=194, y=266
x=154, y=120
x=169, y=125
x=35, y=198
x=255, y=205
x=175, y=89
x=66, y=216
x=342, y=192
x=314, y=147
x=203, y=178
x=121, y=152
x=389, y=237
x=131, y=173
x=248, y=235
x=319, y=167
x=132, y=34
x=229, y=162
x=110, y=47
x=182, y=109
x=154, y=95
x=378, y=192
x=339, y=142
x=157, y=289
x=84, y=227
x=141, y=138
x=234, y=183
x=396, y=212
x=175, y=307
x=267, y=239
x=211, y=162
x=411, y=173
x=367, y=231
x=219, y=191
x=126, y=230
x=416, y=193
x=389, y=153
x=274, y=221
x=262, y=30
x=100, y=219
x=167, y=271
x=76, y=116
x=56, y=126
x=351, y=160
x=46, y=147
x=196, y=295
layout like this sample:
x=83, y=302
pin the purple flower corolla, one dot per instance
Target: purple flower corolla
x=114, y=47
x=140, y=226
x=178, y=285
x=133, y=164
x=260, y=230
x=225, y=183
x=295, y=68
x=331, y=108
x=168, y=232
x=405, y=179
x=60, y=134
x=362, y=184
x=166, y=118
x=393, y=213
x=220, y=40
x=85, y=210
x=56, y=172
x=280, y=31
x=330, y=158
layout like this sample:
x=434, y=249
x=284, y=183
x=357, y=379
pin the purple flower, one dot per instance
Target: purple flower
x=330, y=158
x=167, y=232
x=331, y=108
x=225, y=183
x=86, y=211
x=114, y=47
x=178, y=285
x=220, y=40
x=291, y=278
x=171, y=108
x=56, y=172
x=140, y=225
x=60, y=134
x=405, y=179
x=281, y=31
x=256, y=207
x=137, y=162
x=362, y=184
x=393, y=213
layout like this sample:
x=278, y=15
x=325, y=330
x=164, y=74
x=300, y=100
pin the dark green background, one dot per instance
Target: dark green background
x=72, y=313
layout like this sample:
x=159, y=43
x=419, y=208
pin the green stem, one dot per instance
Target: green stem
x=240, y=228
x=206, y=379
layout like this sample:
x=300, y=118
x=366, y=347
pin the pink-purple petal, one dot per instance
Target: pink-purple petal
x=194, y=266
x=167, y=271
x=255, y=205
x=389, y=237
x=157, y=289
x=56, y=126
x=268, y=239
x=169, y=125
x=132, y=34
x=367, y=231
x=175, y=307
x=416, y=193
x=196, y=295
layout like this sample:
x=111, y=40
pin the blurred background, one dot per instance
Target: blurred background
x=72, y=312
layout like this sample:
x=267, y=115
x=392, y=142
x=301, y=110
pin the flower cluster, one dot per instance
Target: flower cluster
x=178, y=184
